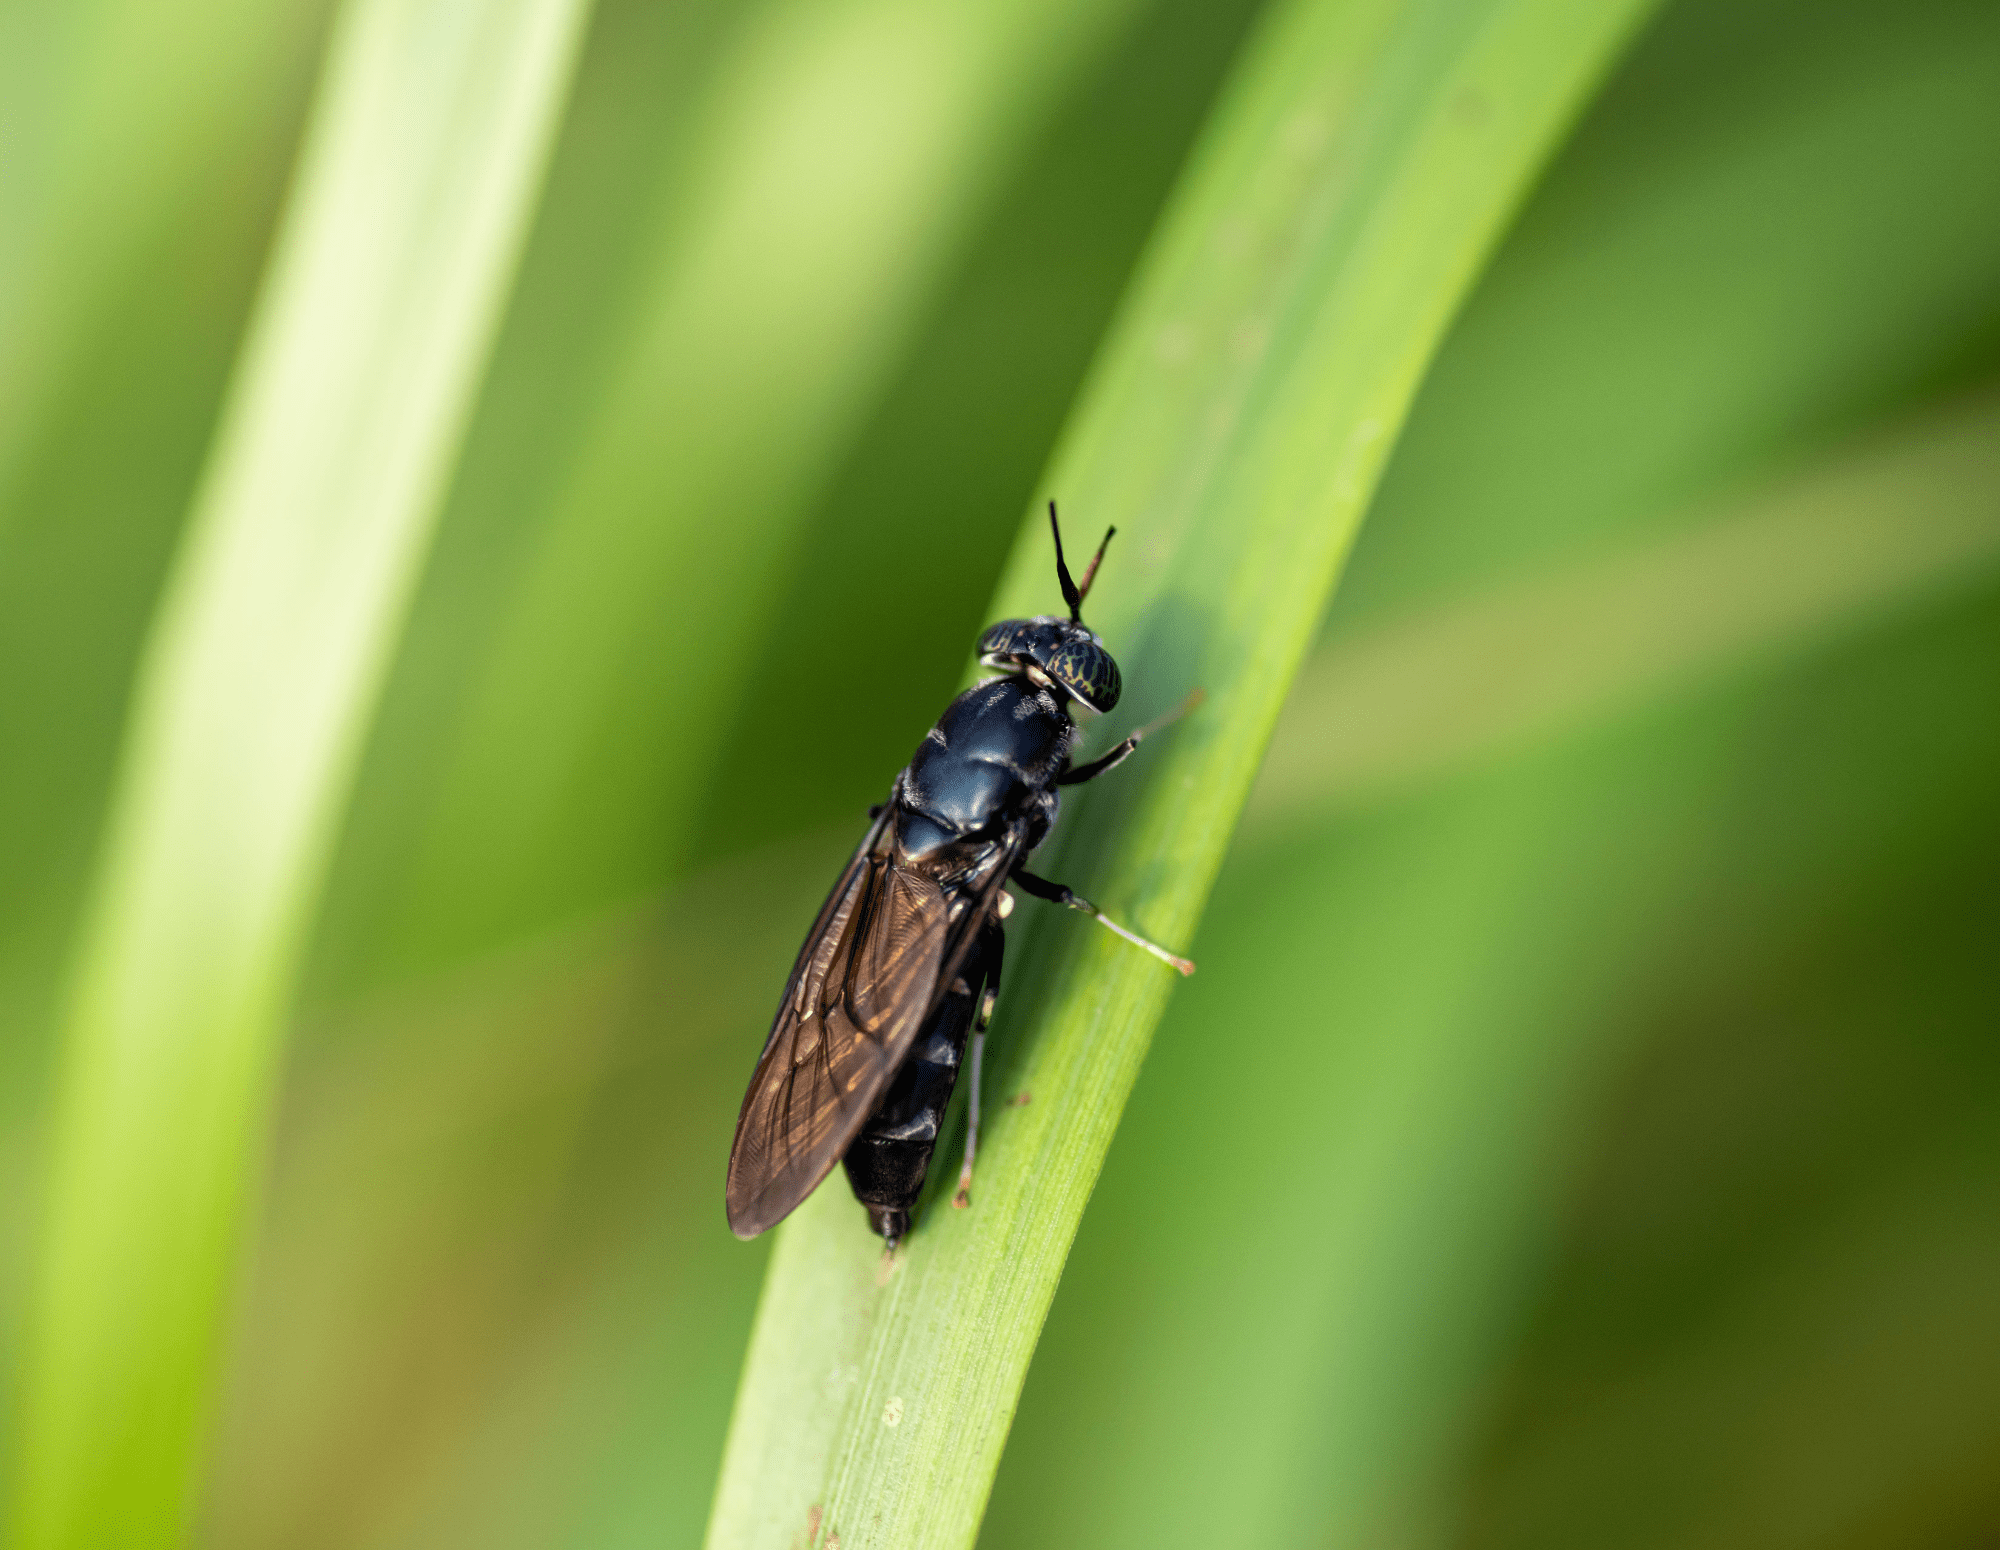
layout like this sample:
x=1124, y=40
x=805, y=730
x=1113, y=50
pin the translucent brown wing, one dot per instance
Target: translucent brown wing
x=863, y=984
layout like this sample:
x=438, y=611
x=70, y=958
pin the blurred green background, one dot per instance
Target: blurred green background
x=1581, y=1130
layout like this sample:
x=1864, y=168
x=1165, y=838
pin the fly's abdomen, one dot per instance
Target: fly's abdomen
x=889, y=1160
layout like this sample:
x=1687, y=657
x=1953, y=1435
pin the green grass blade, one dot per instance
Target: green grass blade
x=842, y=155
x=1357, y=172
x=123, y=296
x=1883, y=527
x=113, y=113
x=412, y=195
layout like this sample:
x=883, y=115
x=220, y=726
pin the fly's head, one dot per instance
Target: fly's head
x=1068, y=655
x=1064, y=651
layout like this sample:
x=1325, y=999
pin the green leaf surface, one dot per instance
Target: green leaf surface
x=345, y=417
x=1357, y=171
x=837, y=158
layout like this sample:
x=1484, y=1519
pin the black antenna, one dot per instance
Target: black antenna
x=1072, y=593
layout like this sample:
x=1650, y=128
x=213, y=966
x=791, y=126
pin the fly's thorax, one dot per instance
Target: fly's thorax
x=1064, y=652
x=994, y=751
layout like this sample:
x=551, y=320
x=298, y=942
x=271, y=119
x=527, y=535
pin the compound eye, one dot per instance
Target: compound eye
x=1088, y=672
x=1003, y=639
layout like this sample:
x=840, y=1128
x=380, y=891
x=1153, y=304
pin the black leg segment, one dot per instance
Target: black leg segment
x=1056, y=893
x=1097, y=767
x=1123, y=751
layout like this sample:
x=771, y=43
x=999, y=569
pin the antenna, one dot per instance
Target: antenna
x=1074, y=595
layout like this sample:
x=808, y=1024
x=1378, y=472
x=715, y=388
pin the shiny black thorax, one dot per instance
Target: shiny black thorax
x=984, y=774
x=992, y=760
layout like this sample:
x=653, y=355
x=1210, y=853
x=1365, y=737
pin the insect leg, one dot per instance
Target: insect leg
x=1097, y=767
x=1056, y=893
x=992, y=948
x=1123, y=751
x=963, y=1198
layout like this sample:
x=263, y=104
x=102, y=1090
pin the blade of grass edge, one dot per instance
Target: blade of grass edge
x=427, y=143
x=1358, y=169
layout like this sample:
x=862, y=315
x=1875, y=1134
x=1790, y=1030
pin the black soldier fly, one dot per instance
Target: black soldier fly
x=904, y=960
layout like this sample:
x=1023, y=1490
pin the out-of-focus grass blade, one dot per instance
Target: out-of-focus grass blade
x=1768, y=1319
x=124, y=288
x=412, y=194
x=110, y=111
x=1765, y=235
x=1357, y=171
x=1886, y=527
x=460, y=1194
x=1847, y=1385
x=844, y=150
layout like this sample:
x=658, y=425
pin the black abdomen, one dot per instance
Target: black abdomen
x=888, y=1161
